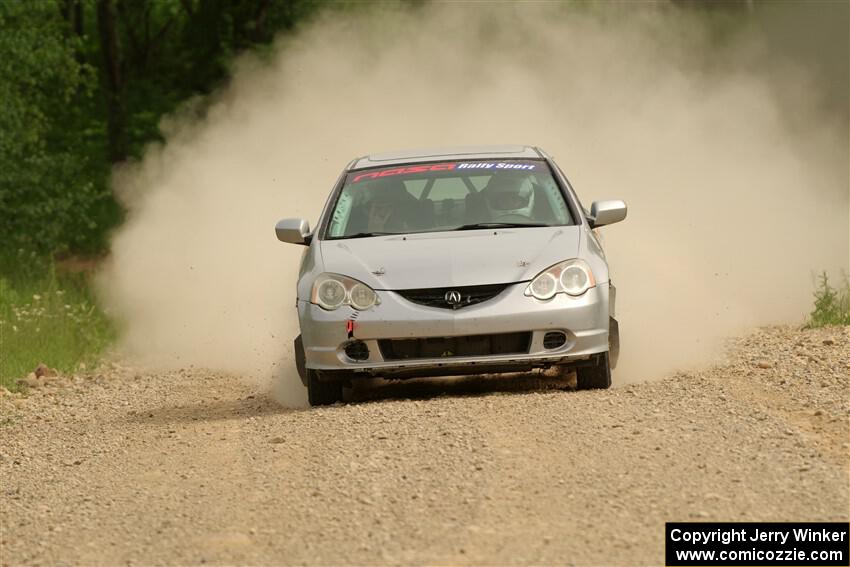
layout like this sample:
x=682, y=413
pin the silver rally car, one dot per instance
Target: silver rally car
x=451, y=262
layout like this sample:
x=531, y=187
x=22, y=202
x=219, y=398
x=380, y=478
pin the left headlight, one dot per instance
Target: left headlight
x=572, y=277
x=332, y=291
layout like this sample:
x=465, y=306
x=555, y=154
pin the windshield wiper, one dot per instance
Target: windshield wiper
x=477, y=225
x=362, y=235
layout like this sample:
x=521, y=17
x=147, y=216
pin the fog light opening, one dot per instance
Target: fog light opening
x=554, y=339
x=357, y=350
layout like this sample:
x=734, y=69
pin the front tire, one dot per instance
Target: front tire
x=613, y=342
x=300, y=359
x=596, y=376
x=322, y=393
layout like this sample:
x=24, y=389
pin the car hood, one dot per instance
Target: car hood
x=444, y=259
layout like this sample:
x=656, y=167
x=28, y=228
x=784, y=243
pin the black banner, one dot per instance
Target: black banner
x=756, y=543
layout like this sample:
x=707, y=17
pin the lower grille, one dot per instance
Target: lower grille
x=452, y=297
x=448, y=347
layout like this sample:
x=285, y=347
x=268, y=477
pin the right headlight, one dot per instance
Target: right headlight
x=332, y=291
x=572, y=277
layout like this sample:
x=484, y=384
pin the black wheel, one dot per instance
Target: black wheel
x=322, y=393
x=595, y=376
x=613, y=342
x=300, y=359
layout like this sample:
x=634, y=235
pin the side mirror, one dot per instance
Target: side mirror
x=606, y=212
x=294, y=231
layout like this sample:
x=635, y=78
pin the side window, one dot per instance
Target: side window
x=569, y=214
x=555, y=200
x=449, y=188
x=341, y=215
x=479, y=181
x=448, y=196
x=415, y=186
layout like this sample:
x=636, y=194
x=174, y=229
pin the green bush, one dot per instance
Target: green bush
x=832, y=305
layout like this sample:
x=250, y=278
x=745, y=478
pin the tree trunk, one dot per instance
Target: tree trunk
x=260, y=20
x=113, y=81
x=72, y=13
x=78, y=18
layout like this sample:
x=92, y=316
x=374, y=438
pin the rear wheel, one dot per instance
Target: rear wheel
x=322, y=393
x=595, y=376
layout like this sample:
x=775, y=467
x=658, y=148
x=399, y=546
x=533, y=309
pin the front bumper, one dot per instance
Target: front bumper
x=584, y=321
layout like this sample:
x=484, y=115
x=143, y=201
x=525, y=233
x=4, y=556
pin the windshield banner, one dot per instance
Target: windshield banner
x=434, y=167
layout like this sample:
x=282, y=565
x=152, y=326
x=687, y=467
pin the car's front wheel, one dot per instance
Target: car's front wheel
x=321, y=393
x=300, y=359
x=613, y=342
x=596, y=375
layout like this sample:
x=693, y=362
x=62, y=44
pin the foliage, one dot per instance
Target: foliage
x=832, y=305
x=84, y=83
x=49, y=186
x=48, y=317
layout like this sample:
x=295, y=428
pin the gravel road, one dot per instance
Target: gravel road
x=191, y=467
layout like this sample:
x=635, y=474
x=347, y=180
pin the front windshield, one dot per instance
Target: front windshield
x=453, y=195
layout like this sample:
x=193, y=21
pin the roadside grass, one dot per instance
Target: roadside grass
x=832, y=304
x=47, y=316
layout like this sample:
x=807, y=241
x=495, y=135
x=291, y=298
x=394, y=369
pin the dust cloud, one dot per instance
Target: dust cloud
x=732, y=208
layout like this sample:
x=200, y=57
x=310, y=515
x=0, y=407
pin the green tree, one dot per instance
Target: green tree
x=46, y=191
x=84, y=84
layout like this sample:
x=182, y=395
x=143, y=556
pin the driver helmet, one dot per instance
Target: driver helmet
x=509, y=194
x=386, y=198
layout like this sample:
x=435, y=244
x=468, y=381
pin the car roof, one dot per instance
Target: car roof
x=447, y=153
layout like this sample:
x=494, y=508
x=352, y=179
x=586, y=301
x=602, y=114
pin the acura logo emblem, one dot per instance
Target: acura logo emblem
x=453, y=297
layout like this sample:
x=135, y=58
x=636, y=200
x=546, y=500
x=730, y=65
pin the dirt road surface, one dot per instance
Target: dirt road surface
x=196, y=468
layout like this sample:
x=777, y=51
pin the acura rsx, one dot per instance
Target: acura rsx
x=453, y=262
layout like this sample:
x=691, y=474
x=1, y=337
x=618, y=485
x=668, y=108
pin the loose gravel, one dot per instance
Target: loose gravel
x=191, y=467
